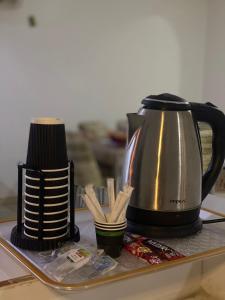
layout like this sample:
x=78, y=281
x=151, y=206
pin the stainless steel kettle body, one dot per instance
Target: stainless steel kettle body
x=163, y=162
x=164, y=165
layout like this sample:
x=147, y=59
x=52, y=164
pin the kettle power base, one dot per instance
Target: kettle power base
x=153, y=231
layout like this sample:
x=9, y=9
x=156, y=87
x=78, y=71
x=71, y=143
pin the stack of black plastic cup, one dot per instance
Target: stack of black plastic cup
x=48, y=190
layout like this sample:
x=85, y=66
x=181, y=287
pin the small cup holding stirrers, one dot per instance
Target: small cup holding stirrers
x=109, y=226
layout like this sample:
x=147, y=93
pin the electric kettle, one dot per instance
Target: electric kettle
x=163, y=162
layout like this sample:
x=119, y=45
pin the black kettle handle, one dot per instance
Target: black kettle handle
x=216, y=119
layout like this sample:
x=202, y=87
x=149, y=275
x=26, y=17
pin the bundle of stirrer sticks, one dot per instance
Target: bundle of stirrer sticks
x=117, y=204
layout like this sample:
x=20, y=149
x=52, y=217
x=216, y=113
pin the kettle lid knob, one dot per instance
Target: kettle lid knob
x=165, y=101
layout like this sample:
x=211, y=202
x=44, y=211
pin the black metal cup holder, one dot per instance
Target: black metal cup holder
x=40, y=242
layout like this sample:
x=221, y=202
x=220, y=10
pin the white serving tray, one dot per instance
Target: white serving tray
x=210, y=241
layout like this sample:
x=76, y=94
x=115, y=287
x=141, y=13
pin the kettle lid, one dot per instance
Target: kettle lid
x=165, y=102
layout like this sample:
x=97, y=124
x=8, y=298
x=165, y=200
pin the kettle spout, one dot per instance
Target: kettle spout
x=134, y=121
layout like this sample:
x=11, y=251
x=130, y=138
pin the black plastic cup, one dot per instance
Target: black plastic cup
x=47, y=145
x=110, y=239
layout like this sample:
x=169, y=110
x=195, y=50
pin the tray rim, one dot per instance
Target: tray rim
x=91, y=283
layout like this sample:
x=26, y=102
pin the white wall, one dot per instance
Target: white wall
x=92, y=59
x=214, y=81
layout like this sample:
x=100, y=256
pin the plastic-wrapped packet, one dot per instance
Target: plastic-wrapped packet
x=50, y=255
x=97, y=266
x=149, y=249
x=164, y=251
x=67, y=262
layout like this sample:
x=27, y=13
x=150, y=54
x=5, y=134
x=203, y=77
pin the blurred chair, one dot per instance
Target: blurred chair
x=93, y=130
x=122, y=125
x=107, y=146
x=206, y=142
x=109, y=157
x=86, y=167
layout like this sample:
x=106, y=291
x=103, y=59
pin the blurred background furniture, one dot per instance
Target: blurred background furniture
x=109, y=156
x=107, y=146
x=93, y=130
x=86, y=167
x=206, y=142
